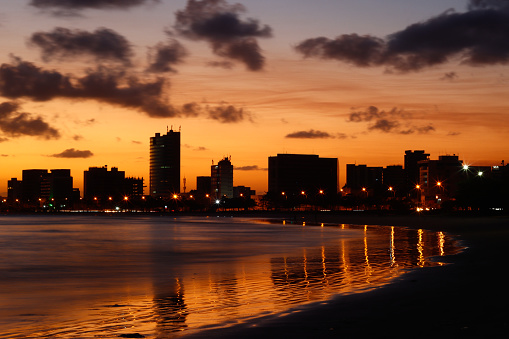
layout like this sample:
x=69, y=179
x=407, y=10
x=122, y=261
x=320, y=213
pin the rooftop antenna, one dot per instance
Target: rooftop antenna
x=166, y=128
x=184, y=184
x=180, y=128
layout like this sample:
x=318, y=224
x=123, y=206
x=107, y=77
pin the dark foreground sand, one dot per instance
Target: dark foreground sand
x=467, y=299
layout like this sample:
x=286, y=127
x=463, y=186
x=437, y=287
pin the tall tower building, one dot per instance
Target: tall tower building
x=222, y=179
x=165, y=164
x=412, y=159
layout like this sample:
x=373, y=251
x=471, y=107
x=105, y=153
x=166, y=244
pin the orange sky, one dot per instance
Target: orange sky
x=446, y=108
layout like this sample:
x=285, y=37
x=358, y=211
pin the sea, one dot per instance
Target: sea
x=107, y=276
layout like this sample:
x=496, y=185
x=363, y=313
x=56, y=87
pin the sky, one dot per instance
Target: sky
x=86, y=83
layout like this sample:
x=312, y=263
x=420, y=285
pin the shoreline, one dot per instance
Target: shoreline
x=465, y=299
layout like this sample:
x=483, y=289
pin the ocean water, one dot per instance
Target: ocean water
x=164, y=277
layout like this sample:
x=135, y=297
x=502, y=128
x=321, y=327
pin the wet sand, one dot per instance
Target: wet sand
x=467, y=299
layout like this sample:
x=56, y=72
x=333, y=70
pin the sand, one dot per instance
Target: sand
x=466, y=299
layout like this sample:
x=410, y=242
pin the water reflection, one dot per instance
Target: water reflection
x=162, y=279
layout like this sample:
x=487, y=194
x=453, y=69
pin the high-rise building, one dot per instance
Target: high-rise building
x=222, y=179
x=32, y=184
x=165, y=164
x=412, y=159
x=293, y=174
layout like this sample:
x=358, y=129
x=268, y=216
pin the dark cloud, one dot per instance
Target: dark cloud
x=449, y=76
x=477, y=37
x=136, y=142
x=3, y=140
x=73, y=153
x=384, y=125
x=164, y=56
x=221, y=64
x=82, y=4
x=250, y=168
x=77, y=137
x=311, y=134
x=226, y=113
x=488, y=4
x=102, y=44
x=220, y=24
x=24, y=79
x=16, y=124
x=388, y=121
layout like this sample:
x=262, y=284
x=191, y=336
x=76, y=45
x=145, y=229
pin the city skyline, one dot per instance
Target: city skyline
x=88, y=86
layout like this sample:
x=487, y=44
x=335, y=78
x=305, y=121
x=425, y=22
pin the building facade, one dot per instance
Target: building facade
x=99, y=183
x=294, y=174
x=221, y=179
x=165, y=164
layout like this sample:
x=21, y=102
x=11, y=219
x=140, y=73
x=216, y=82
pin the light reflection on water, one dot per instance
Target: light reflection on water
x=100, y=277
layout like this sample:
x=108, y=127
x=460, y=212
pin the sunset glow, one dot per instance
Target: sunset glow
x=88, y=85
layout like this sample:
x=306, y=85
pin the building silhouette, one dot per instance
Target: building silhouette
x=39, y=186
x=14, y=189
x=362, y=178
x=439, y=179
x=165, y=164
x=222, y=179
x=412, y=172
x=203, y=184
x=394, y=178
x=102, y=184
x=293, y=174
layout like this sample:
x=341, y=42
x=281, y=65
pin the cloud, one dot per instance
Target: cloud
x=17, y=124
x=77, y=137
x=219, y=23
x=311, y=134
x=250, y=168
x=3, y=140
x=23, y=79
x=488, y=4
x=163, y=56
x=73, y=153
x=136, y=142
x=102, y=44
x=449, y=76
x=221, y=64
x=391, y=121
x=477, y=37
x=82, y=4
x=226, y=113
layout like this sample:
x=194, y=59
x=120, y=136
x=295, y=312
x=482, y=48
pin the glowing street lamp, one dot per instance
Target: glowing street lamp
x=480, y=174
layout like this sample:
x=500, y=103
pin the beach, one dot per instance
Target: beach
x=464, y=299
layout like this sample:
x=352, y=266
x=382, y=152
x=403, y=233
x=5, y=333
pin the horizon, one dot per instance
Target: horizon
x=87, y=85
